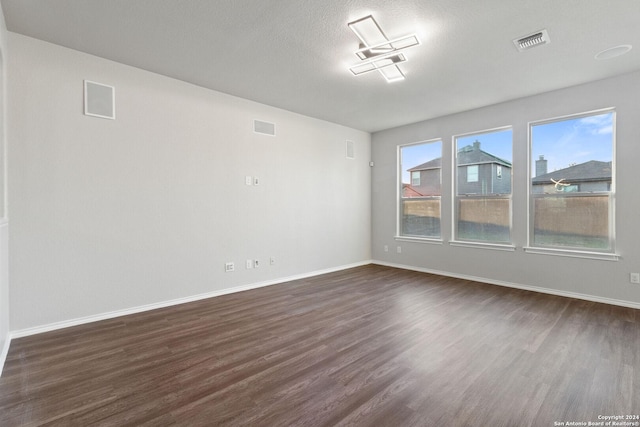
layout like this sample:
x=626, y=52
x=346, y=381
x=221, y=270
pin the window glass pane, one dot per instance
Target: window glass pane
x=483, y=163
x=571, y=182
x=484, y=219
x=420, y=166
x=572, y=155
x=415, y=178
x=572, y=222
x=421, y=217
x=472, y=173
x=483, y=186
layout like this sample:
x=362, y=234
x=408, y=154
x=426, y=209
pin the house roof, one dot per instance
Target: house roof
x=431, y=164
x=409, y=191
x=473, y=155
x=468, y=155
x=592, y=170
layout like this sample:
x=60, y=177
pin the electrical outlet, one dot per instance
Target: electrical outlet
x=634, y=278
x=248, y=180
x=386, y=248
x=256, y=181
x=229, y=266
x=256, y=263
x=399, y=249
x=249, y=264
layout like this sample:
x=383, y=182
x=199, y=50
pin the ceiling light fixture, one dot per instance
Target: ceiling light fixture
x=613, y=52
x=387, y=46
x=378, y=62
x=378, y=52
x=368, y=31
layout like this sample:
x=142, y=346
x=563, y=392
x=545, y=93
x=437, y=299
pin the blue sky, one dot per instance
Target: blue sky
x=417, y=154
x=562, y=143
x=573, y=141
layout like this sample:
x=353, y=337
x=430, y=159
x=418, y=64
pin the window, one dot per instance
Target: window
x=483, y=166
x=572, y=182
x=420, y=189
x=472, y=173
x=415, y=178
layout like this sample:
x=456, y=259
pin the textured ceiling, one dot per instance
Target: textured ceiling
x=294, y=54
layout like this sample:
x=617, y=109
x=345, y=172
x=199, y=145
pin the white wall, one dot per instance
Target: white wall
x=593, y=278
x=110, y=215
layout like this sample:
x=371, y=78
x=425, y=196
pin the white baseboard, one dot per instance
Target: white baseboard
x=592, y=298
x=5, y=352
x=133, y=310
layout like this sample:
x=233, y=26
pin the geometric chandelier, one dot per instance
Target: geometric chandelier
x=377, y=52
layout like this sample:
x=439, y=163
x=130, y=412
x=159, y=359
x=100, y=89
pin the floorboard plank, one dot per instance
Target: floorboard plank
x=371, y=345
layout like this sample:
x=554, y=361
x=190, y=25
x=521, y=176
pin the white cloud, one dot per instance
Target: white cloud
x=602, y=124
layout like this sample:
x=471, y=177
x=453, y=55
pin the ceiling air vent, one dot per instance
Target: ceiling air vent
x=532, y=40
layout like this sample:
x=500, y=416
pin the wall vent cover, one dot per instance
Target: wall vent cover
x=264, y=128
x=351, y=150
x=99, y=100
x=532, y=40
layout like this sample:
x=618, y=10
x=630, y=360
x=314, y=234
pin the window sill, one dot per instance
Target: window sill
x=427, y=240
x=604, y=256
x=481, y=245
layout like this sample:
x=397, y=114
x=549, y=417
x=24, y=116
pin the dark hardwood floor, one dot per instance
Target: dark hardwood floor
x=367, y=346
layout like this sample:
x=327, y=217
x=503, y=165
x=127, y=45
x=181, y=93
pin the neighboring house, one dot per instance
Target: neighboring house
x=584, y=177
x=425, y=178
x=479, y=172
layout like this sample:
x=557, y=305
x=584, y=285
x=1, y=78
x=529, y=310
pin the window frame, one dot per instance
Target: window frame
x=455, y=197
x=400, y=191
x=572, y=251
